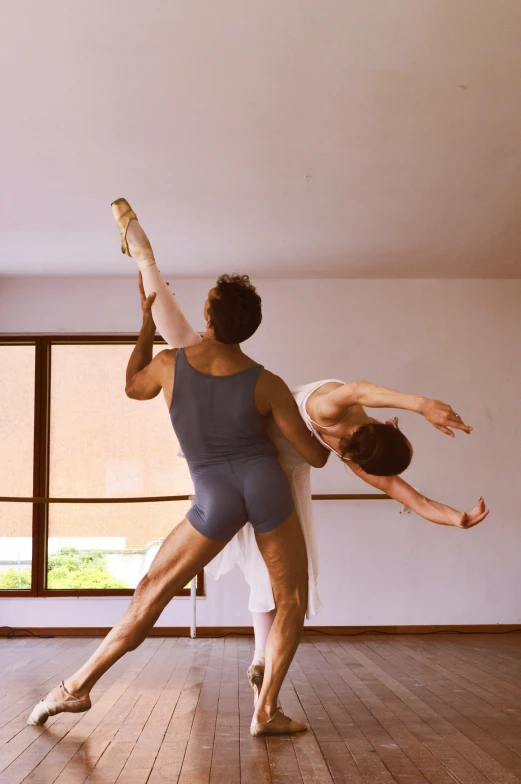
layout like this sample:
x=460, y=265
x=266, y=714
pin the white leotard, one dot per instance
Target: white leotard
x=301, y=395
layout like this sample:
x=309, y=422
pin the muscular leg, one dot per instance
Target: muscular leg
x=181, y=556
x=170, y=320
x=284, y=551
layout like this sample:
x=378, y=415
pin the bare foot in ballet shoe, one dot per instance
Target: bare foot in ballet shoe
x=59, y=700
x=134, y=241
x=279, y=724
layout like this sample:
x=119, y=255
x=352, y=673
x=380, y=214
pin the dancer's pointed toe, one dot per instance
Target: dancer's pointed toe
x=134, y=241
x=59, y=700
x=123, y=215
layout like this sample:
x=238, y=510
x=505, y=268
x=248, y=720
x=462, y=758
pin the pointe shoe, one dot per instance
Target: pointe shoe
x=67, y=704
x=256, y=677
x=123, y=214
x=279, y=724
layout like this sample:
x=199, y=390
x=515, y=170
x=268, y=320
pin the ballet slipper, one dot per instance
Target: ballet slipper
x=279, y=724
x=65, y=703
x=123, y=214
x=256, y=677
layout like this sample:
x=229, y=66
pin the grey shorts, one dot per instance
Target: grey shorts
x=231, y=493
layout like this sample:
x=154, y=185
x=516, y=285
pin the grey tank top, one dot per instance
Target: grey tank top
x=214, y=417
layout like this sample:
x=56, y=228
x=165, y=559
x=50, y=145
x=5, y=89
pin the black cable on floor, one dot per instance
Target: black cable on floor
x=363, y=631
x=399, y=634
x=12, y=633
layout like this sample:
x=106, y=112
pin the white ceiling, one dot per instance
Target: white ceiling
x=313, y=138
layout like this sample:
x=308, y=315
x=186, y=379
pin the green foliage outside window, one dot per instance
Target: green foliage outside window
x=69, y=568
x=12, y=579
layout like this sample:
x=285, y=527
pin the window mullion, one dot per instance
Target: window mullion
x=42, y=461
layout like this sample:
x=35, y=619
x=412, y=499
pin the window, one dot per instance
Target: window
x=91, y=445
x=17, y=407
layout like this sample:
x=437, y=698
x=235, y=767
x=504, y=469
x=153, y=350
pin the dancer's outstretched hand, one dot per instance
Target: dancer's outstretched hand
x=469, y=519
x=442, y=417
x=146, y=302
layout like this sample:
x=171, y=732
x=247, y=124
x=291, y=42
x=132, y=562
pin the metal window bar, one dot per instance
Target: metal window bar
x=193, y=583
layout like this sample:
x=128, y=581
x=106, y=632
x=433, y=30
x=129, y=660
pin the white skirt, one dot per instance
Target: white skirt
x=242, y=550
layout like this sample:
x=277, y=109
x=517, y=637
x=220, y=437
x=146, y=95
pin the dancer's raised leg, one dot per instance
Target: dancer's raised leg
x=181, y=556
x=170, y=320
x=284, y=551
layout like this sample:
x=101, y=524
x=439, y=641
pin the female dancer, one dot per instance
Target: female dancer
x=334, y=413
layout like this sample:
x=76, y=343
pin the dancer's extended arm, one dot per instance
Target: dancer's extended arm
x=397, y=488
x=144, y=373
x=332, y=406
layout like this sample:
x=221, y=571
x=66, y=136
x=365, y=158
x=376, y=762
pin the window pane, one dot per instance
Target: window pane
x=107, y=545
x=102, y=443
x=16, y=464
x=15, y=546
x=17, y=420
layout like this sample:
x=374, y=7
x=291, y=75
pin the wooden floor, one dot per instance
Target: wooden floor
x=439, y=708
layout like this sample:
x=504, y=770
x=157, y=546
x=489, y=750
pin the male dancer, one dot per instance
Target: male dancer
x=218, y=399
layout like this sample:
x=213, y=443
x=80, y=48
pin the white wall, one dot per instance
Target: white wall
x=455, y=340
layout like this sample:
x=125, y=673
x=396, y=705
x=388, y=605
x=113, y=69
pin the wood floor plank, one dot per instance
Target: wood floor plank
x=198, y=758
x=486, y=661
x=147, y=688
x=434, y=709
x=226, y=764
x=484, y=681
x=26, y=657
x=341, y=763
x=284, y=768
x=455, y=750
x=469, y=701
x=87, y=742
x=141, y=761
x=169, y=761
x=312, y=764
x=342, y=716
x=27, y=687
x=371, y=740
x=317, y=716
x=33, y=745
x=398, y=734
x=437, y=734
x=497, y=734
x=14, y=718
x=254, y=761
x=24, y=696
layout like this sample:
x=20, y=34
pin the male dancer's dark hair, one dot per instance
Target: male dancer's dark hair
x=235, y=308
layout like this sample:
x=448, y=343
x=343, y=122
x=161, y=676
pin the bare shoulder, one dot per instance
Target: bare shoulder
x=271, y=382
x=164, y=364
x=270, y=390
x=166, y=357
x=326, y=389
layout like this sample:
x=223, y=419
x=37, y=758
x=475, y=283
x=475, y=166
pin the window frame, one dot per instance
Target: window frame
x=43, y=344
